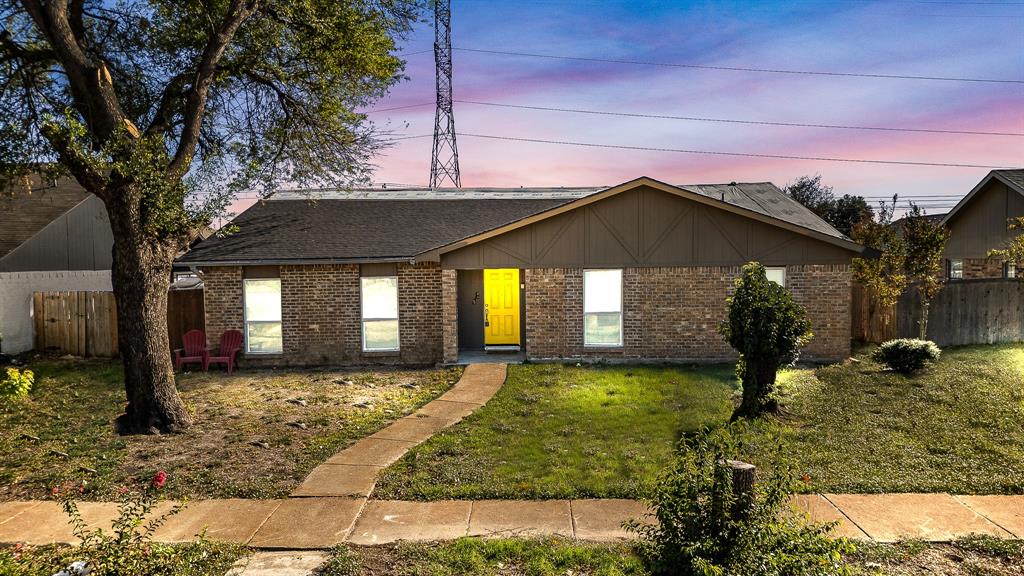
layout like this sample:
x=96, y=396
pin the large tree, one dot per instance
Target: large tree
x=162, y=107
x=843, y=212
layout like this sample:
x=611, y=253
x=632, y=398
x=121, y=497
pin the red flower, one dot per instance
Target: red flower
x=806, y=477
x=159, y=480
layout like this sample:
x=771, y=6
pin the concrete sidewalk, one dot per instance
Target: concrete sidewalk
x=320, y=523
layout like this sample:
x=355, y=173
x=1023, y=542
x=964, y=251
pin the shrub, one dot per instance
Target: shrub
x=906, y=355
x=768, y=328
x=16, y=384
x=703, y=529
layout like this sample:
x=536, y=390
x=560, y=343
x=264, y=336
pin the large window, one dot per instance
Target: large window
x=602, y=308
x=380, y=313
x=263, y=315
x=956, y=269
x=776, y=274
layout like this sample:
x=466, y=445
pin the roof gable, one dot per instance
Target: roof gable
x=26, y=210
x=813, y=228
x=1014, y=180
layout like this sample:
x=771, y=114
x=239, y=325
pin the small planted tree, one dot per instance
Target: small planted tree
x=925, y=242
x=1012, y=251
x=885, y=275
x=768, y=328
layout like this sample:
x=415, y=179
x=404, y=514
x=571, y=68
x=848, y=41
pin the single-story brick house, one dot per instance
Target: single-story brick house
x=638, y=271
x=978, y=223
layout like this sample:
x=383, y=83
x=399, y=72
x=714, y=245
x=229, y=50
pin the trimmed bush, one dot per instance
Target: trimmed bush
x=906, y=355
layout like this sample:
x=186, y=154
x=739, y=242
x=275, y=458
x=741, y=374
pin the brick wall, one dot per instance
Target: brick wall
x=673, y=313
x=976, y=268
x=320, y=313
x=449, y=315
x=222, y=300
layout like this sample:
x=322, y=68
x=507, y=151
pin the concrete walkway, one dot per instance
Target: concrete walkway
x=320, y=523
x=353, y=471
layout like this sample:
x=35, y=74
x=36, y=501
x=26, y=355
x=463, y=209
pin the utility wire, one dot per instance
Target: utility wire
x=718, y=153
x=732, y=121
x=742, y=69
x=375, y=111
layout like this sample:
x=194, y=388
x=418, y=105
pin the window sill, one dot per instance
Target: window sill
x=602, y=346
x=379, y=353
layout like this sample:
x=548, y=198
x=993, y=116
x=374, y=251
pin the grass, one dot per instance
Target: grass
x=981, y=556
x=198, y=559
x=557, y=431
x=257, y=434
x=954, y=427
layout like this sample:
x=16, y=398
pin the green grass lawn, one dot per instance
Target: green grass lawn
x=557, y=431
x=257, y=434
x=558, y=557
x=957, y=426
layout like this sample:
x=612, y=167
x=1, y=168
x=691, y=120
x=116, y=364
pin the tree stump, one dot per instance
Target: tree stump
x=744, y=477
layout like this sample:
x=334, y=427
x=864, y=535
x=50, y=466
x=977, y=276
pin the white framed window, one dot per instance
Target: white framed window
x=956, y=269
x=379, y=296
x=262, y=315
x=776, y=274
x=602, y=307
x=1010, y=270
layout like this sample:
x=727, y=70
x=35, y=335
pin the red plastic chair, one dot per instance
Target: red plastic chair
x=230, y=344
x=193, y=350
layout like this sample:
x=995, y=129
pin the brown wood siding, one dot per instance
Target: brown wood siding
x=644, y=227
x=981, y=225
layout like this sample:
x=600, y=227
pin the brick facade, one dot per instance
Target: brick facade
x=981, y=268
x=673, y=313
x=320, y=314
x=668, y=313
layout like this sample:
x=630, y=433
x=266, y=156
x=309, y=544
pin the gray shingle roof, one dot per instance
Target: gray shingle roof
x=1016, y=176
x=365, y=224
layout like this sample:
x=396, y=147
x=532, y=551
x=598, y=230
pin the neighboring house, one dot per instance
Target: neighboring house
x=637, y=271
x=978, y=223
x=54, y=236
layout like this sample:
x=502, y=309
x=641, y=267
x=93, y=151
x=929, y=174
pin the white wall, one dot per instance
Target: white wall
x=16, y=290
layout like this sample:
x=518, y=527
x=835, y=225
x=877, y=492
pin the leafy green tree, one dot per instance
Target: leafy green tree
x=925, y=241
x=163, y=108
x=1012, y=251
x=768, y=328
x=884, y=272
x=842, y=212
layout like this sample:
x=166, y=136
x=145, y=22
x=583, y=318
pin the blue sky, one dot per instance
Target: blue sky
x=921, y=38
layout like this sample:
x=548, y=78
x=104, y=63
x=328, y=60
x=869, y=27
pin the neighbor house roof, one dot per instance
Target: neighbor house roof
x=25, y=209
x=1014, y=179
x=366, y=225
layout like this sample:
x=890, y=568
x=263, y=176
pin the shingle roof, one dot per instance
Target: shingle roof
x=364, y=224
x=1015, y=176
x=25, y=210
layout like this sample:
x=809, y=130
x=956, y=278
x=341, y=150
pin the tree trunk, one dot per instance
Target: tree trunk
x=141, y=276
x=922, y=325
x=758, y=387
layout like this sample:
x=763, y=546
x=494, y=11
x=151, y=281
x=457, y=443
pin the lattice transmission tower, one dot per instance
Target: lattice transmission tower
x=444, y=160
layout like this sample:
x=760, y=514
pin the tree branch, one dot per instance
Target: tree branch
x=195, y=104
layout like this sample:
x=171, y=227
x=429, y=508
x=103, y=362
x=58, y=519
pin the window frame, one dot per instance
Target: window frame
x=622, y=296
x=780, y=268
x=245, y=316
x=363, y=321
x=950, y=271
x=1010, y=270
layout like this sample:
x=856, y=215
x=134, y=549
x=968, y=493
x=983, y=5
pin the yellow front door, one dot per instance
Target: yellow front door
x=501, y=307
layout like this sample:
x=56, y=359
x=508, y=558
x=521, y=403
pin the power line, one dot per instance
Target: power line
x=741, y=68
x=718, y=153
x=733, y=121
x=398, y=108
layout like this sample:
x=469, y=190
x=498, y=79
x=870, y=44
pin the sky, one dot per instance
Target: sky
x=981, y=40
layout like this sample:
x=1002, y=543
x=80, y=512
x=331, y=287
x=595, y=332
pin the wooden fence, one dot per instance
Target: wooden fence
x=85, y=323
x=964, y=312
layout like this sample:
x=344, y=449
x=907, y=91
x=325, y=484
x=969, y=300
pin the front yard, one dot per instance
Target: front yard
x=257, y=434
x=557, y=431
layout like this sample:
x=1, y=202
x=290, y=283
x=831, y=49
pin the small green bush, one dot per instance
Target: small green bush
x=16, y=384
x=906, y=355
x=703, y=529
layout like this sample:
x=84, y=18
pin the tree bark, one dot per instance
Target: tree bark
x=141, y=276
x=922, y=325
x=758, y=387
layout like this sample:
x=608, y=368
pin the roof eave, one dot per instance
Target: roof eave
x=296, y=261
x=994, y=174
